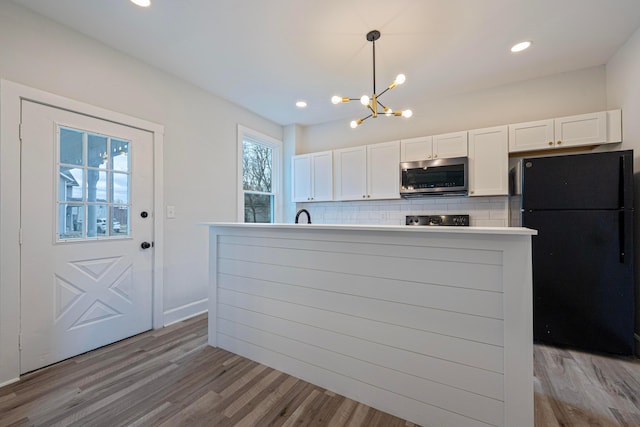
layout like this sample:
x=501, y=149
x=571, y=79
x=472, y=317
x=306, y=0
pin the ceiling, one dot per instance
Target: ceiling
x=266, y=54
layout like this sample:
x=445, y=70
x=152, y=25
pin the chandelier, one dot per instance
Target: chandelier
x=373, y=102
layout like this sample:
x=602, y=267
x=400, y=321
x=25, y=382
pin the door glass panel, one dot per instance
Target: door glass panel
x=120, y=188
x=71, y=221
x=119, y=220
x=71, y=147
x=120, y=155
x=96, y=186
x=93, y=187
x=70, y=184
x=97, y=154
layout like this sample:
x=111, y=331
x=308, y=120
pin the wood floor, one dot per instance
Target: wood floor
x=171, y=377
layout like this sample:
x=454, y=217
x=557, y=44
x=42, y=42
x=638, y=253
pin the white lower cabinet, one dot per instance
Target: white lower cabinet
x=312, y=177
x=368, y=172
x=489, y=161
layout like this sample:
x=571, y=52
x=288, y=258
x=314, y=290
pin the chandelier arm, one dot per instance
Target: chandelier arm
x=383, y=92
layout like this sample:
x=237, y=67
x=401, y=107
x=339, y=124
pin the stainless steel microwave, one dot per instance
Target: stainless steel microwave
x=437, y=177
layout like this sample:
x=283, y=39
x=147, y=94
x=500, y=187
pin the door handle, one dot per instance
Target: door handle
x=146, y=245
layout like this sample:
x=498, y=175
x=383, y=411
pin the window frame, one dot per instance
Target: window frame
x=245, y=133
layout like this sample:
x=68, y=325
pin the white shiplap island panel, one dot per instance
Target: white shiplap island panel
x=432, y=324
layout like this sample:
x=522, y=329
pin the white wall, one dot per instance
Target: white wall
x=199, y=142
x=623, y=90
x=559, y=95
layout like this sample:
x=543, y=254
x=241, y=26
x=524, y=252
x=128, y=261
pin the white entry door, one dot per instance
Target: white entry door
x=86, y=233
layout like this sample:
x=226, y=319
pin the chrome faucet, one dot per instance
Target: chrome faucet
x=308, y=215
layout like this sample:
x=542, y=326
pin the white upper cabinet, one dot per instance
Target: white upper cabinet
x=434, y=147
x=383, y=170
x=450, y=145
x=489, y=161
x=585, y=129
x=368, y=172
x=415, y=149
x=350, y=171
x=312, y=177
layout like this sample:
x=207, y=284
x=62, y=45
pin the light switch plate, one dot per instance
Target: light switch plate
x=171, y=211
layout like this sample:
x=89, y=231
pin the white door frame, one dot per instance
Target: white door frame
x=11, y=96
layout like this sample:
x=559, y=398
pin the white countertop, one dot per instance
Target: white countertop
x=371, y=227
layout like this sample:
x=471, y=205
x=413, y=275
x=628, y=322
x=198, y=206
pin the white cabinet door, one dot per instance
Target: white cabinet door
x=450, y=145
x=585, y=129
x=301, y=175
x=383, y=170
x=416, y=149
x=488, y=161
x=530, y=136
x=350, y=176
x=573, y=131
x=322, y=176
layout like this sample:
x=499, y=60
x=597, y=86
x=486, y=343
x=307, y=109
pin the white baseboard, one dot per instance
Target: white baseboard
x=14, y=380
x=186, y=311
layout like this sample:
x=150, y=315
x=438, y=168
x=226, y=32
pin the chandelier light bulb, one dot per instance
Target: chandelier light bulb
x=407, y=113
x=364, y=100
x=400, y=78
x=388, y=111
x=336, y=99
x=354, y=124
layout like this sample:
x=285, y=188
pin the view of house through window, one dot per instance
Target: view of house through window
x=260, y=174
x=93, y=185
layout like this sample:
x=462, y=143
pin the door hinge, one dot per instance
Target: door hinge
x=20, y=341
x=20, y=236
x=20, y=132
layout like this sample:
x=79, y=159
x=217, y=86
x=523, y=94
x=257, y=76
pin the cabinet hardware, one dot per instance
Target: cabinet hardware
x=559, y=142
x=550, y=142
x=429, y=156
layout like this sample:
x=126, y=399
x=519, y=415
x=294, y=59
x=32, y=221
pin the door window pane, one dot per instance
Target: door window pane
x=119, y=220
x=96, y=186
x=120, y=155
x=93, y=185
x=97, y=154
x=120, y=188
x=71, y=147
x=71, y=220
x=70, y=184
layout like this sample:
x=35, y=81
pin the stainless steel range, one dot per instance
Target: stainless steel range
x=435, y=220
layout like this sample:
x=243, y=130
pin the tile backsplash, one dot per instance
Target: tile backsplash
x=482, y=211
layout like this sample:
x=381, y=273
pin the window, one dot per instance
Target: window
x=259, y=177
x=93, y=185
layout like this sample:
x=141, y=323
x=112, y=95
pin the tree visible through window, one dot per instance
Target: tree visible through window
x=260, y=172
x=256, y=182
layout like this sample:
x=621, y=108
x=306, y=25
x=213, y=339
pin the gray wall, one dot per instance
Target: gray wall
x=200, y=132
x=623, y=90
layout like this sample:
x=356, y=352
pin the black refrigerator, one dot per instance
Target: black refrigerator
x=582, y=207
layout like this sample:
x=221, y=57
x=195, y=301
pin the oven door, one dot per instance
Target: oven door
x=434, y=177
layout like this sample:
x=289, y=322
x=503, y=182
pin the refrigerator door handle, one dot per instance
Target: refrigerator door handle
x=622, y=234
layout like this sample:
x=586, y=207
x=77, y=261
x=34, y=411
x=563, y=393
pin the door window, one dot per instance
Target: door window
x=94, y=182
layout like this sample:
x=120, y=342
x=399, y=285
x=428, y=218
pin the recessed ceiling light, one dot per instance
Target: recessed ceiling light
x=142, y=3
x=519, y=47
x=301, y=104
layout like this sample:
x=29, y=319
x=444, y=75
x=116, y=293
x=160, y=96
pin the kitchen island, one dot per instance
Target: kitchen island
x=431, y=324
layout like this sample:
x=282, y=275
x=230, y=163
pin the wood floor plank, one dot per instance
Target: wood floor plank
x=171, y=377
